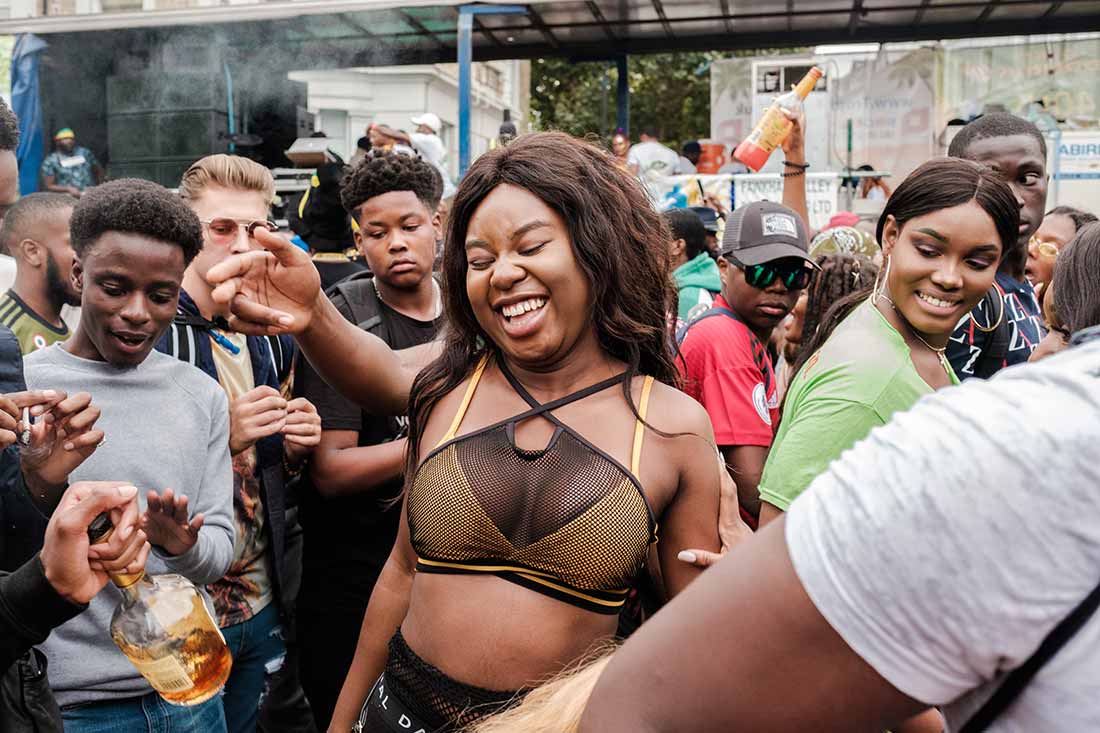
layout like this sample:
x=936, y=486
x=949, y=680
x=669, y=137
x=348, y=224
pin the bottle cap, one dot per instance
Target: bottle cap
x=100, y=529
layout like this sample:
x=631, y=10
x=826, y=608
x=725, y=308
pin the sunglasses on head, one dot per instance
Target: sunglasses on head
x=224, y=229
x=794, y=274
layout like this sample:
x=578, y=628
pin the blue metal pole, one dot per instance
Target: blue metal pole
x=465, y=58
x=229, y=107
x=622, y=95
x=466, y=15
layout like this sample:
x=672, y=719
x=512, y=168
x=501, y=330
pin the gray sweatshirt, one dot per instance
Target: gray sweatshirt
x=166, y=425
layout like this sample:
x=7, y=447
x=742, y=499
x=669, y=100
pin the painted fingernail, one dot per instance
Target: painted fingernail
x=686, y=556
x=68, y=446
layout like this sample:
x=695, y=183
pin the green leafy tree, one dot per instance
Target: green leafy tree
x=668, y=91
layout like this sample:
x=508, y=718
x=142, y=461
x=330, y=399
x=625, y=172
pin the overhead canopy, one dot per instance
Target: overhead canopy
x=372, y=32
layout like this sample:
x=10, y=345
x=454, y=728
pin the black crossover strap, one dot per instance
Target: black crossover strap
x=1016, y=680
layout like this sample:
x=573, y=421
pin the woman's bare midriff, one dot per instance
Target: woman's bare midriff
x=488, y=632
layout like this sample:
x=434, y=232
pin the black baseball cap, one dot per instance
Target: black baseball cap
x=708, y=216
x=764, y=231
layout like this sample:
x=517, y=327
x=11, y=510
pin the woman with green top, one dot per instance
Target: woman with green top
x=877, y=352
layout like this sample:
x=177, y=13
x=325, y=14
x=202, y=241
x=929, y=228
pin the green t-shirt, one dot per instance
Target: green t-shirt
x=857, y=381
x=31, y=329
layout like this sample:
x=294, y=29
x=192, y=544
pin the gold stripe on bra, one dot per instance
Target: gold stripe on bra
x=533, y=575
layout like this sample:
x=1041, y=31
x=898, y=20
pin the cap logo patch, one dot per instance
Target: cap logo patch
x=782, y=224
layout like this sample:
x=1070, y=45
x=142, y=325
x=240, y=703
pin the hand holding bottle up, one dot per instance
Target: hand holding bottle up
x=775, y=124
x=166, y=523
x=794, y=167
x=794, y=146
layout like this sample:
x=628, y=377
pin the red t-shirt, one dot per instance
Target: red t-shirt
x=728, y=371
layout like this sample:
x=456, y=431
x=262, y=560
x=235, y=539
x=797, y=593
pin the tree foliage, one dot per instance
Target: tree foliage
x=668, y=91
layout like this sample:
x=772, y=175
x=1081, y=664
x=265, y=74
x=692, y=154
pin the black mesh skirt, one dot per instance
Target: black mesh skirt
x=412, y=695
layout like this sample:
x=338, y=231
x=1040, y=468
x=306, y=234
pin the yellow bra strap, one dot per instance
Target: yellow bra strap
x=639, y=428
x=470, y=389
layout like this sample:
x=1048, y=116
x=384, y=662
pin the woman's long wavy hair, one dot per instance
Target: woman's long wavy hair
x=1076, y=281
x=940, y=183
x=619, y=241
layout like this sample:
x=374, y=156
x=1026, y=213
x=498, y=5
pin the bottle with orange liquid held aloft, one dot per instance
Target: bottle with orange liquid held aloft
x=774, y=127
x=164, y=627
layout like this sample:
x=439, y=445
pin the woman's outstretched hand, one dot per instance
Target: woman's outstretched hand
x=270, y=290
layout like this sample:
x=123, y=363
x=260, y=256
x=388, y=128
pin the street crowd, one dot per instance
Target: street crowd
x=536, y=457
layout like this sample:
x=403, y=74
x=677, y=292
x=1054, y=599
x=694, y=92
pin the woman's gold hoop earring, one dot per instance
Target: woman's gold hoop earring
x=879, y=288
x=1000, y=317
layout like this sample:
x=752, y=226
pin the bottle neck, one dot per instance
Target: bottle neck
x=807, y=85
x=128, y=582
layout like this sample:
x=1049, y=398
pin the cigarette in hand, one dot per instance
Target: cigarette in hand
x=25, y=434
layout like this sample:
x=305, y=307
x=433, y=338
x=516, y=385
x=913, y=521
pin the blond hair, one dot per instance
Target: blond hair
x=230, y=171
x=555, y=707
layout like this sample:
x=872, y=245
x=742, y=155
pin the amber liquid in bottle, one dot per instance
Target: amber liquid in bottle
x=165, y=629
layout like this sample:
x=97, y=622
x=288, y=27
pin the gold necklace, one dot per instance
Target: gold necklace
x=939, y=352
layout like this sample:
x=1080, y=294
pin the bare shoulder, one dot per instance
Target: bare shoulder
x=442, y=415
x=674, y=412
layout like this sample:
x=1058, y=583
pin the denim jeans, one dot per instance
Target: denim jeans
x=148, y=713
x=258, y=651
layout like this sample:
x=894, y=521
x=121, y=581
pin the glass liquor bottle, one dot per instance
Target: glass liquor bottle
x=164, y=628
x=774, y=127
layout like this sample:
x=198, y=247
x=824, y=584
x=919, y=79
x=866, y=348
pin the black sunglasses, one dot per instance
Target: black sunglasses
x=794, y=276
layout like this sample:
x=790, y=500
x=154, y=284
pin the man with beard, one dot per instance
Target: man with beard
x=36, y=233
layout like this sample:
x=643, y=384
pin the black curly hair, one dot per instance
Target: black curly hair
x=135, y=206
x=9, y=128
x=381, y=172
x=995, y=124
x=28, y=212
x=685, y=224
x=1077, y=216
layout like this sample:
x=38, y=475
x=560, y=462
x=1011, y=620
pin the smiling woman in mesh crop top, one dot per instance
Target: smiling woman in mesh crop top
x=537, y=494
